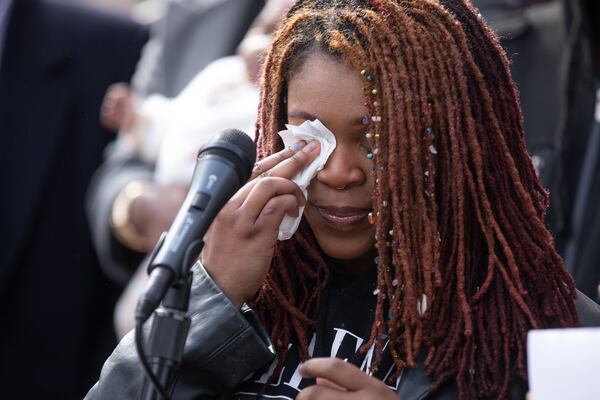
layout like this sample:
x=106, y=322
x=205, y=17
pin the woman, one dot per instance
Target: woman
x=423, y=259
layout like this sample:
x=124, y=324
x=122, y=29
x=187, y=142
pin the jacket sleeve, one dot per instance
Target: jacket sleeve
x=120, y=167
x=224, y=347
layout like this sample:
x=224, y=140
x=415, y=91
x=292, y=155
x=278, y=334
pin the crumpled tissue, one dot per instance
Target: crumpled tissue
x=307, y=131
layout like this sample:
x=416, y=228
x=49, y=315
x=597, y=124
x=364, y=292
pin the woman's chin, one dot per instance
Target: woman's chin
x=355, y=254
x=340, y=244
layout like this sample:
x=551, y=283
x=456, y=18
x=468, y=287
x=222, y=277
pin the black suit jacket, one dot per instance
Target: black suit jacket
x=55, y=305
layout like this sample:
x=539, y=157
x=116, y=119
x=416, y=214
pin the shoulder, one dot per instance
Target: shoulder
x=588, y=311
x=85, y=25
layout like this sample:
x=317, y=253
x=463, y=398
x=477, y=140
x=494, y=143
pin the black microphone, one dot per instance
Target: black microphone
x=223, y=166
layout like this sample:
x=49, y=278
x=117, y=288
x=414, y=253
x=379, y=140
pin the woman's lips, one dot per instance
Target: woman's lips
x=342, y=218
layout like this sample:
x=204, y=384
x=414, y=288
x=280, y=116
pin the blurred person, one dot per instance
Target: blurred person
x=535, y=40
x=550, y=45
x=422, y=260
x=179, y=45
x=225, y=94
x=167, y=133
x=56, y=62
x=149, y=125
x=580, y=155
x=126, y=209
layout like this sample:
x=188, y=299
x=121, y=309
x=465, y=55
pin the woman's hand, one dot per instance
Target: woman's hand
x=337, y=379
x=240, y=242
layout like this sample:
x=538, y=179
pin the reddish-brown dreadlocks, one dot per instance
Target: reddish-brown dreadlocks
x=459, y=208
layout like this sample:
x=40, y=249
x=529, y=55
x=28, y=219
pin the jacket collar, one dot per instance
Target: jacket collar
x=415, y=383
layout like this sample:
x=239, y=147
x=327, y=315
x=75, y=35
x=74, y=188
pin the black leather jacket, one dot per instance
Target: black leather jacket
x=226, y=346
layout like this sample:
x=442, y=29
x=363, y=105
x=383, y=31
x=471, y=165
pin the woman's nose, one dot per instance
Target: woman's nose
x=342, y=169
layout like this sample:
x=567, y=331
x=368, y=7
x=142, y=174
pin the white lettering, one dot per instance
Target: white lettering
x=340, y=335
x=296, y=377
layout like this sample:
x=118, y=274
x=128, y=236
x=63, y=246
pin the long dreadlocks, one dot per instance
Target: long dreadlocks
x=466, y=264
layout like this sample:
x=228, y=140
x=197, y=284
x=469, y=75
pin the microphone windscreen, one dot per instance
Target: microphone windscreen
x=234, y=145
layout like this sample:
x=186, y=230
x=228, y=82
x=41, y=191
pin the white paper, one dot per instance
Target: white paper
x=309, y=130
x=564, y=364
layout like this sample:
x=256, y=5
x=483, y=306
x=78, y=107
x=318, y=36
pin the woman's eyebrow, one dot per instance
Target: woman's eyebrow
x=301, y=114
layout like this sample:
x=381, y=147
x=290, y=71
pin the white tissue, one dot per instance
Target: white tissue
x=309, y=130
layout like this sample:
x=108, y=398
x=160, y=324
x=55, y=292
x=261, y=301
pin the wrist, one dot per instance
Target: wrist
x=234, y=298
x=224, y=287
x=122, y=223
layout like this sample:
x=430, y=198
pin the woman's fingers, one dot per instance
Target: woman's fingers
x=340, y=372
x=264, y=165
x=274, y=211
x=240, y=242
x=297, y=162
x=328, y=383
x=287, y=163
x=337, y=379
x=266, y=189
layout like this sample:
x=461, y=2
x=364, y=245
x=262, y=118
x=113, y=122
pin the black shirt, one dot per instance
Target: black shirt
x=344, y=324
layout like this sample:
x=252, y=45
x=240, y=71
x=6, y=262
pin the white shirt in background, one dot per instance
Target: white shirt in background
x=173, y=130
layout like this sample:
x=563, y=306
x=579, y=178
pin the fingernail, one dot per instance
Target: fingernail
x=310, y=146
x=297, y=145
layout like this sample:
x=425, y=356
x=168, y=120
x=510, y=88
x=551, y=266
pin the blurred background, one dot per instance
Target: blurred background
x=103, y=104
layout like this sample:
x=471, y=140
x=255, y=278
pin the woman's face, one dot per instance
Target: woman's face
x=339, y=198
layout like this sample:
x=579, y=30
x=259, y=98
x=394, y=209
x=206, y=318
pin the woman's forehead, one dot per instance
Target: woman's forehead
x=323, y=85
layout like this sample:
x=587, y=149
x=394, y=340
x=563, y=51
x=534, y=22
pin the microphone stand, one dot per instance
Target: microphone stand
x=166, y=340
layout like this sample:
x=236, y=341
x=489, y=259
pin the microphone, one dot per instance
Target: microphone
x=223, y=166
